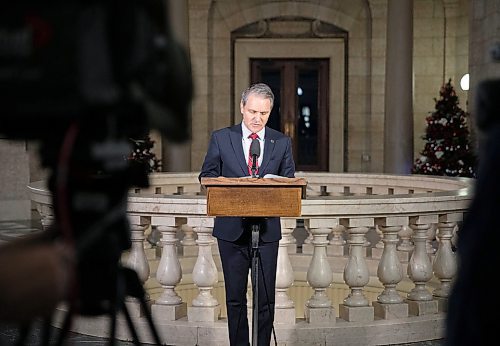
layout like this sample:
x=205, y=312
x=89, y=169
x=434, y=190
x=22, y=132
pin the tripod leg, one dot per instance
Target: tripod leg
x=149, y=318
x=255, y=283
x=66, y=326
x=23, y=334
x=130, y=325
x=112, y=327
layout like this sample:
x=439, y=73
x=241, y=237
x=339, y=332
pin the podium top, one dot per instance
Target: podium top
x=277, y=196
x=256, y=182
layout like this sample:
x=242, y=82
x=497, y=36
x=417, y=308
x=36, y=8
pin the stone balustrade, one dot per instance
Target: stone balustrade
x=374, y=266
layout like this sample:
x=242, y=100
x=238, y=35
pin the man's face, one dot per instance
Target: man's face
x=256, y=112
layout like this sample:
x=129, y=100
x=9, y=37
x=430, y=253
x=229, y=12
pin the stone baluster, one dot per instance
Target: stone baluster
x=188, y=242
x=454, y=237
x=307, y=247
x=378, y=249
x=445, y=262
x=355, y=307
x=431, y=236
x=367, y=245
x=284, y=306
x=153, y=238
x=318, y=309
x=290, y=239
x=420, y=300
x=137, y=260
x=389, y=303
x=205, y=308
x=337, y=243
x=405, y=247
x=169, y=305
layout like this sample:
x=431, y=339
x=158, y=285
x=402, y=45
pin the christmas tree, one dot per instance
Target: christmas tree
x=447, y=148
x=142, y=154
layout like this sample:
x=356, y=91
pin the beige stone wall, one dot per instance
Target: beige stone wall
x=451, y=37
x=211, y=27
x=484, y=32
x=440, y=39
x=440, y=53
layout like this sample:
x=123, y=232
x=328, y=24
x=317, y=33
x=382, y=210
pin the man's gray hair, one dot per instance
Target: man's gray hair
x=260, y=89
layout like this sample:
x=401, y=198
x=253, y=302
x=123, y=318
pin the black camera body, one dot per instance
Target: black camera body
x=66, y=60
x=82, y=77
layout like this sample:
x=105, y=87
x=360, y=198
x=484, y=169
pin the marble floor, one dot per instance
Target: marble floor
x=9, y=335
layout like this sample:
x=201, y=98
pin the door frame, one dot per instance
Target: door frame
x=330, y=48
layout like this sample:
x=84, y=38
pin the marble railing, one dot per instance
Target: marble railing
x=385, y=242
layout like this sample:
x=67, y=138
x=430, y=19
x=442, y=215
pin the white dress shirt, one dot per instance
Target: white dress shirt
x=247, y=141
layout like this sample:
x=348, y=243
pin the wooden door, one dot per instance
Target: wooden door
x=300, y=87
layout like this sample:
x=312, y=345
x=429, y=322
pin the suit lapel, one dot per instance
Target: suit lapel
x=269, y=145
x=236, y=142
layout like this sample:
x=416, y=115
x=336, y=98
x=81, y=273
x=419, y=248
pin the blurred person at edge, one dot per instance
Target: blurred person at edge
x=473, y=304
x=35, y=276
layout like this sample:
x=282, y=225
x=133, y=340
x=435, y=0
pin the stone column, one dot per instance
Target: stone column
x=398, y=126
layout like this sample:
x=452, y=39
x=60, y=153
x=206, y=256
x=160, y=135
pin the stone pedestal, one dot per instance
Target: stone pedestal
x=320, y=315
x=390, y=311
x=203, y=314
x=419, y=308
x=168, y=312
x=442, y=304
x=134, y=307
x=356, y=314
x=284, y=316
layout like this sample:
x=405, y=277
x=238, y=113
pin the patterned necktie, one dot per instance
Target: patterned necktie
x=250, y=159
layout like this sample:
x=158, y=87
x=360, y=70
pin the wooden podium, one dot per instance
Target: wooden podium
x=270, y=196
x=255, y=198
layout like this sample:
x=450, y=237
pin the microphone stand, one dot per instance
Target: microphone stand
x=255, y=267
x=255, y=281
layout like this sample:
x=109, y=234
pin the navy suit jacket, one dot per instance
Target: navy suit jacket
x=225, y=158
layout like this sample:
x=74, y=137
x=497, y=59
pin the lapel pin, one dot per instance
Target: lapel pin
x=272, y=140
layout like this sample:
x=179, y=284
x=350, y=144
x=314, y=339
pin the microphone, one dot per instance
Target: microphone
x=255, y=152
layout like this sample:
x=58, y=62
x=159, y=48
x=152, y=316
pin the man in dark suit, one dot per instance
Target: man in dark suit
x=228, y=156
